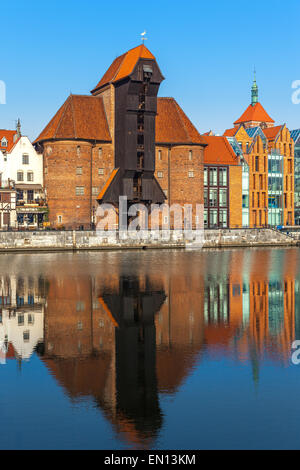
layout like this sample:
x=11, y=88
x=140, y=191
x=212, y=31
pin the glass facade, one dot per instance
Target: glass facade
x=245, y=195
x=216, y=203
x=275, y=189
x=296, y=136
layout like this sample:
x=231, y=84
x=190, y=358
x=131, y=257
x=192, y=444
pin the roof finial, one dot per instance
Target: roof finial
x=254, y=90
x=143, y=38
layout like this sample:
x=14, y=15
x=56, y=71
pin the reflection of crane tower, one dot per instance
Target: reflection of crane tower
x=133, y=308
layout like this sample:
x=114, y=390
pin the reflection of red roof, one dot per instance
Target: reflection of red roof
x=80, y=117
x=10, y=352
x=254, y=113
x=173, y=126
x=124, y=65
x=272, y=132
x=219, y=151
x=9, y=135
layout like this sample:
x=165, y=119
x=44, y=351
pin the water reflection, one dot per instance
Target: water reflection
x=123, y=329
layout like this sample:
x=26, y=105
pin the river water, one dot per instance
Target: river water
x=150, y=349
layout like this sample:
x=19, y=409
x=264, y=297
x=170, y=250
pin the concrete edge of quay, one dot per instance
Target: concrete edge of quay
x=57, y=241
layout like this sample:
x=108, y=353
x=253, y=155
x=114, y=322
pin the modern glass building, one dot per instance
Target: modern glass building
x=296, y=138
x=275, y=188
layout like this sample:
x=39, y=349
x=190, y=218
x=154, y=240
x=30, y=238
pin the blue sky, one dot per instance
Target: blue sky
x=206, y=51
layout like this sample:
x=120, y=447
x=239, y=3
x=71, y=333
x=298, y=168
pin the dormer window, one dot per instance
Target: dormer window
x=3, y=142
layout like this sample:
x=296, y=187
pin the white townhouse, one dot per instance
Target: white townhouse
x=21, y=167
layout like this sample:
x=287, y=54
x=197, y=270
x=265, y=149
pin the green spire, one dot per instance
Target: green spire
x=254, y=91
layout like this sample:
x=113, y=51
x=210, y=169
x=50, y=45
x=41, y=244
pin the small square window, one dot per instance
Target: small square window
x=79, y=190
x=160, y=174
x=191, y=174
x=59, y=219
x=79, y=170
x=25, y=159
x=95, y=191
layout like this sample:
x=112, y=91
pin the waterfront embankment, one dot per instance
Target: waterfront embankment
x=91, y=240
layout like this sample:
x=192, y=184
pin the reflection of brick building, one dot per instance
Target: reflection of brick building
x=111, y=142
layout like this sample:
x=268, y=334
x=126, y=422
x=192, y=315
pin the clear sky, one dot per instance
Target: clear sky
x=206, y=50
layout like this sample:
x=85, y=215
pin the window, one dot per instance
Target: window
x=4, y=142
x=20, y=176
x=260, y=182
x=245, y=201
x=205, y=176
x=79, y=190
x=59, y=219
x=256, y=163
x=223, y=198
x=20, y=319
x=159, y=174
x=205, y=217
x=100, y=171
x=159, y=155
x=25, y=159
x=213, y=218
x=30, y=195
x=100, y=152
x=223, y=218
x=191, y=174
x=190, y=155
x=223, y=176
x=30, y=319
x=95, y=190
x=79, y=170
x=26, y=336
x=78, y=150
x=213, y=177
x=30, y=176
x=205, y=197
x=213, y=197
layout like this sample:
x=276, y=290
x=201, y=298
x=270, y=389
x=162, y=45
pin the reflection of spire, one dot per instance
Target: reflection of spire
x=254, y=364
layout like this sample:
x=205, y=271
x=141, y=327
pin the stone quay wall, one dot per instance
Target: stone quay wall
x=91, y=240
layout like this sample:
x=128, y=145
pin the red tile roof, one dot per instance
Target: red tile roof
x=272, y=132
x=124, y=65
x=254, y=113
x=231, y=132
x=80, y=117
x=219, y=151
x=172, y=126
x=10, y=136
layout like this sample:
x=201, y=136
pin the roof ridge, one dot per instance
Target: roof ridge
x=61, y=117
x=178, y=109
x=73, y=117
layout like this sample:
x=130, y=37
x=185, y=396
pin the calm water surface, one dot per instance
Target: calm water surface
x=152, y=349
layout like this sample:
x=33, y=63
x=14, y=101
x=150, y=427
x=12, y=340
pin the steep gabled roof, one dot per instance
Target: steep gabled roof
x=219, y=151
x=172, y=126
x=254, y=113
x=10, y=136
x=80, y=117
x=124, y=65
x=271, y=133
x=231, y=132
